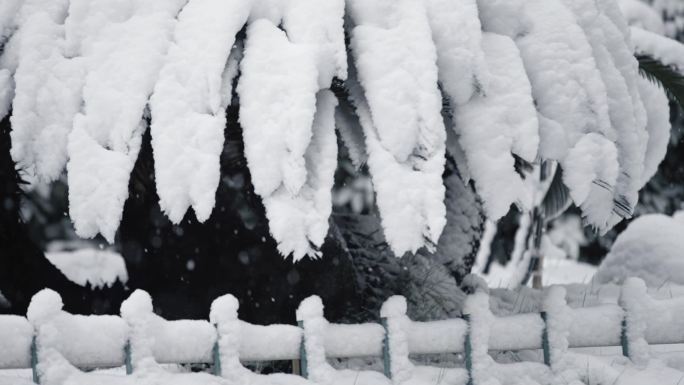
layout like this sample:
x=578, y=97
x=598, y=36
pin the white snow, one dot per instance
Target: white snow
x=319, y=24
x=416, y=217
x=667, y=51
x=566, y=85
x=124, y=46
x=91, y=341
x=47, y=92
x=650, y=248
x=592, y=177
x=277, y=91
x=16, y=334
x=496, y=125
x=640, y=14
x=188, y=106
x=658, y=126
x=457, y=34
x=99, y=268
x=299, y=222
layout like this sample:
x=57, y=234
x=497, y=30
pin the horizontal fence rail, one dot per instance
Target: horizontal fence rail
x=89, y=342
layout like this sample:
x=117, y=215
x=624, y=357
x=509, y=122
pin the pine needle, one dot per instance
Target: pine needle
x=666, y=77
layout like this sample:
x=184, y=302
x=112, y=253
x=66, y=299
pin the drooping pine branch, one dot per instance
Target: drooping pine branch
x=664, y=76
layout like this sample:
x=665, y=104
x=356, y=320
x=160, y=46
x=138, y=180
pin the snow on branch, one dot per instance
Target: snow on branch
x=546, y=80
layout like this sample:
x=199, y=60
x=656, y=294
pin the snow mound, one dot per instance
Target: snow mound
x=99, y=268
x=651, y=248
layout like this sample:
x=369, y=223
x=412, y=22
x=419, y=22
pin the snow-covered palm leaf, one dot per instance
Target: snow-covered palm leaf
x=557, y=198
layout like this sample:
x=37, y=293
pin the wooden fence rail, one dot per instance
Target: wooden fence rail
x=89, y=342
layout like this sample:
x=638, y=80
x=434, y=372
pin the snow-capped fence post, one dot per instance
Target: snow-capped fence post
x=226, y=350
x=479, y=318
x=313, y=357
x=137, y=311
x=45, y=306
x=557, y=317
x=398, y=367
x=635, y=302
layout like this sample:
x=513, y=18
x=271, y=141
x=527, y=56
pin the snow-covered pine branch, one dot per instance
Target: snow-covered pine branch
x=546, y=80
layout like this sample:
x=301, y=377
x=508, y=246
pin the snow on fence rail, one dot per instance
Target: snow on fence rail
x=89, y=342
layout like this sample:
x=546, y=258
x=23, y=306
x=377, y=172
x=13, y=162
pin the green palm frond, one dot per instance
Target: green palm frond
x=557, y=198
x=664, y=76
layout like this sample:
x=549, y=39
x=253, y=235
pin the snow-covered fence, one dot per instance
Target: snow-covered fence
x=139, y=335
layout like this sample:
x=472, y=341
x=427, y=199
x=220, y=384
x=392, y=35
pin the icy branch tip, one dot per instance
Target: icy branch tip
x=311, y=307
x=395, y=306
x=224, y=309
x=44, y=304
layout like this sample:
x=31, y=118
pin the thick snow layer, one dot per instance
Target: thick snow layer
x=639, y=14
x=396, y=62
x=16, y=334
x=666, y=50
x=299, y=222
x=277, y=103
x=47, y=94
x=57, y=330
x=416, y=217
x=188, y=106
x=627, y=116
x=585, y=84
x=99, y=268
x=650, y=248
x=289, y=136
x=457, y=34
x=230, y=329
x=566, y=84
x=154, y=338
x=98, y=183
x=496, y=125
x=124, y=46
x=658, y=126
x=592, y=176
x=321, y=25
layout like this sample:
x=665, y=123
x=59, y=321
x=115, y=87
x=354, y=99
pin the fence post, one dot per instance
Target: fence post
x=34, y=360
x=386, y=362
x=468, y=350
x=302, y=353
x=545, y=340
x=624, y=341
x=216, y=357
x=636, y=304
x=127, y=358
